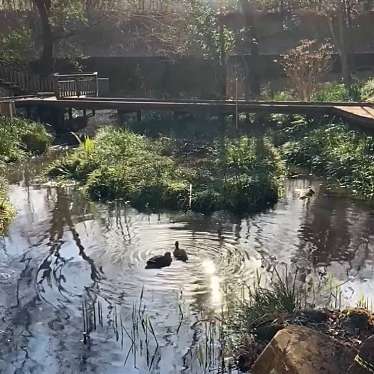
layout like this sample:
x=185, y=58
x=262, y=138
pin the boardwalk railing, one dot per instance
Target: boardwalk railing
x=25, y=81
x=76, y=85
x=63, y=85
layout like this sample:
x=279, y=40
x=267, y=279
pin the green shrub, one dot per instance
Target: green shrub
x=20, y=137
x=337, y=92
x=367, y=91
x=242, y=175
x=121, y=164
x=6, y=210
x=344, y=156
x=278, y=96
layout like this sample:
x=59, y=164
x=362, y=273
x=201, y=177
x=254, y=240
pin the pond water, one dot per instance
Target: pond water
x=68, y=265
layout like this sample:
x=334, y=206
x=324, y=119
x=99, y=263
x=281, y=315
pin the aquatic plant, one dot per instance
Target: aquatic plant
x=19, y=137
x=261, y=303
x=121, y=164
x=256, y=312
x=241, y=175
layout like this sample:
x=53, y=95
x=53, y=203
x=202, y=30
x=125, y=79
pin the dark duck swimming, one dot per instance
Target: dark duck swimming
x=160, y=261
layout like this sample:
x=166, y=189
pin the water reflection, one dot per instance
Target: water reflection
x=63, y=252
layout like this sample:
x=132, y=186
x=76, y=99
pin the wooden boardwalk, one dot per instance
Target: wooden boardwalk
x=360, y=113
x=82, y=91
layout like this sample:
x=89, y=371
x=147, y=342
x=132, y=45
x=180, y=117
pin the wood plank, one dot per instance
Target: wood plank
x=213, y=106
x=360, y=114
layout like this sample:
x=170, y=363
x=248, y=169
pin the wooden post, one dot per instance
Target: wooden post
x=7, y=108
x=139, y=116
x=77, y=86
x=236, y=104
x=12, y=109
x=97, y=84
x=70, y=111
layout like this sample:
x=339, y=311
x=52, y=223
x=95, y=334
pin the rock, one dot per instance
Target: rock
x=356, y=320
x=316, y=316
x=364, y=361
x=247, y=353
x=300, y=350
x=267, y=332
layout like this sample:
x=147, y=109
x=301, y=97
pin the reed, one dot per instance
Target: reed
x=6, y=210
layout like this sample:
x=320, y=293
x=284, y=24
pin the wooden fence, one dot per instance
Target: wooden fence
x=62, y=85
x=76, y=85
x=25, y=81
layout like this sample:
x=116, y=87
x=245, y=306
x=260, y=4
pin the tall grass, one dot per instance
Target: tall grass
x=242, y=175
x=6, y=210
x=260, y=303
x=19, y=137
x=238, y=175
x=121, y=164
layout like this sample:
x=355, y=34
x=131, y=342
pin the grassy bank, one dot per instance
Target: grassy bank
x=240, y=175
x=20, y=138
x=6, y=210
x=342, y=155
x=266, y=307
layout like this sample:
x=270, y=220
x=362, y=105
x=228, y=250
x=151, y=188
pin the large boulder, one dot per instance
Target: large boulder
x=364, y=361
x=300, y=350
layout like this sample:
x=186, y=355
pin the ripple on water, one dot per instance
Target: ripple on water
x=214, y=256
x=6, y=274
x=83, y=251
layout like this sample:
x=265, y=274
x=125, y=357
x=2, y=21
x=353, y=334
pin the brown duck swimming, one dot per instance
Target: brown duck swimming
x=179, y=253
x=160, y=261
x=307, y=194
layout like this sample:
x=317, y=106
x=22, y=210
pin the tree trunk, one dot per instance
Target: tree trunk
x=46, y=58
x=223, y=59
x=339, y=35
x=252, y=75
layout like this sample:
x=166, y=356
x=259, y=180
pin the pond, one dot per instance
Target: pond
x=68, y=265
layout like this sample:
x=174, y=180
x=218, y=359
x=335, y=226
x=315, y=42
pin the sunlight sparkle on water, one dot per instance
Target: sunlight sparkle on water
x=214, y=282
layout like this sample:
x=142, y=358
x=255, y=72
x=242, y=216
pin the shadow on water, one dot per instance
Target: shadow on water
x=75, y=296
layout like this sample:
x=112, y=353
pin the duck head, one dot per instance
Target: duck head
x=167, y=254
x=176, y=245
